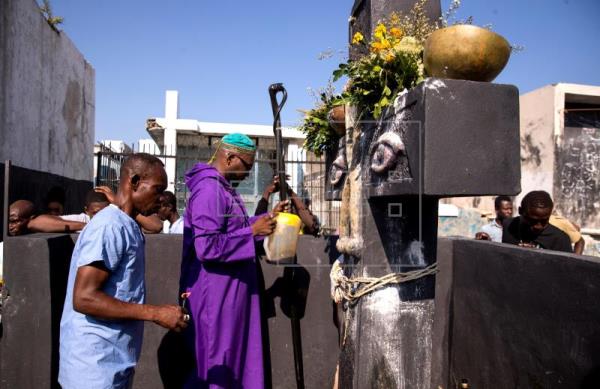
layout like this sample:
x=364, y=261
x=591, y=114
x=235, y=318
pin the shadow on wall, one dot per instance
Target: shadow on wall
x=60, y=251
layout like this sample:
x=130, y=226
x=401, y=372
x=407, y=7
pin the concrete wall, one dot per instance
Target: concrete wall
x=508, y=317
x=504, y=317
x=47, y=97
x=36, y=269
x=537, y=140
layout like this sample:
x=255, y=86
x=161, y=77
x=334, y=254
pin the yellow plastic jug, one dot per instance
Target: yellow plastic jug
x=280, y=246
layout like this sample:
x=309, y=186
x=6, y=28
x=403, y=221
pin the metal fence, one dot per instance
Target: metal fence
x=306, y=177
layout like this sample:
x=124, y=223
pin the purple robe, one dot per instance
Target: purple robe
x=219, y=269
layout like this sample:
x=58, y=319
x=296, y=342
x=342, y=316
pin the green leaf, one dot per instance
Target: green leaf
x=377, y=111
x=387, y=91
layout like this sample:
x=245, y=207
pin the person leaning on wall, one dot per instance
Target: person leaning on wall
x=571, y=229
x=532, y=227
x=22, y=219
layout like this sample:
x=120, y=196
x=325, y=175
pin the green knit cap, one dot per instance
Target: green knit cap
x=239, y=142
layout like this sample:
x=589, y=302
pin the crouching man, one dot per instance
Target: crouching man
x=104, y=312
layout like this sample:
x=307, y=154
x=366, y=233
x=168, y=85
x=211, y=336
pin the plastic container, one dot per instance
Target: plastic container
x=280, y=246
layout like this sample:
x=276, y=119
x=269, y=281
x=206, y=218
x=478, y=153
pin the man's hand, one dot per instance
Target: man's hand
x=273, y=187
x=282, y=206
x=482, y=236
x=110, y=195
x=264, y=226
x=172, y=317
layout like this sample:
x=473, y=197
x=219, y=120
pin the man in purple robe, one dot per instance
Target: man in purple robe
x=219, y=270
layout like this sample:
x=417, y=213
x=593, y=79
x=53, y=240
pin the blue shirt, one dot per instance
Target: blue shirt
x=96, y=353
x=494, y=230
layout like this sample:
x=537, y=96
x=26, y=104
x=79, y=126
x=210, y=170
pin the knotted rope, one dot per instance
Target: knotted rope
x=351, y=289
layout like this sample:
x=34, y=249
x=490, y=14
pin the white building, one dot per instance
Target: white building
x=184, y=142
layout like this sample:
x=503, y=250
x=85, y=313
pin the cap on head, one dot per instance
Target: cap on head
x=238, y=142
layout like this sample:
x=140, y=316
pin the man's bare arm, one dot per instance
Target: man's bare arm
x=50, y=223
x=150, y=224
x=579, y=246
x=89, y=299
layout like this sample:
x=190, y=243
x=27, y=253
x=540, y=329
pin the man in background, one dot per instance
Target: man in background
x=94, y=203
x=532, y=227
x=168, y=213
x=55, y=201
x=493, y=231
x=22, y=220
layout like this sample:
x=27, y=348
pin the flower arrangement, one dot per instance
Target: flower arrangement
x=392, y=63
x=320, y=136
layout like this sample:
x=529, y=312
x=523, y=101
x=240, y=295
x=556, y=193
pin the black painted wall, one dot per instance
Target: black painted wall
x=33, y=185
x=505, y=317
x=509, y=317
x=36, y=269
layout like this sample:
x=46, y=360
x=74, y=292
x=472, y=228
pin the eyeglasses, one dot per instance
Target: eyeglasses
x=247, y=166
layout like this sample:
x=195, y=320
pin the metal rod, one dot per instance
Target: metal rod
x=274, y=89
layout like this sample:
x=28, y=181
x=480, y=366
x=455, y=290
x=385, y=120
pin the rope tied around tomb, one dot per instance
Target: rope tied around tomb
x=351, y=289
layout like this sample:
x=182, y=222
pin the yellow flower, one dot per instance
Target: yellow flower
x=396, y=32
x=357, y=38
x=380, y=31
x=389, y=57
x=376, y=47
x=380, y=45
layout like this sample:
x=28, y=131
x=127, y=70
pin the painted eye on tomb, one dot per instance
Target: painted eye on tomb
x=387, y=149
x=338, y=168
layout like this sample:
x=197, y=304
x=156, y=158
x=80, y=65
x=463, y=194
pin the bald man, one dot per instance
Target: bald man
x=19, y=215
x=102, y=323
x=22, y=220
x=219, y=270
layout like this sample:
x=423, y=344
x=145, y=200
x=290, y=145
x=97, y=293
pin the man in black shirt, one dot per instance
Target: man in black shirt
x=532, y=227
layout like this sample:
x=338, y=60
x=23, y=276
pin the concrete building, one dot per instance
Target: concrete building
x=560, y=148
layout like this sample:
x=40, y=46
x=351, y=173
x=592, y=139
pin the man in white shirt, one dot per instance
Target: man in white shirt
x=493, y=230
x=168, y=213
x=94, y=203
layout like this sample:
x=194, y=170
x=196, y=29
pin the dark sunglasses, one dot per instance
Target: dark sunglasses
x=247, y=166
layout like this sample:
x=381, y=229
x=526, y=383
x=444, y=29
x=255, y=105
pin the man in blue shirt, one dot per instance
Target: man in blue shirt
x=493, y=230
x=102, y=324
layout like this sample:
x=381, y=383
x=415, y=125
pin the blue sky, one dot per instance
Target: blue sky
x=222, y=55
